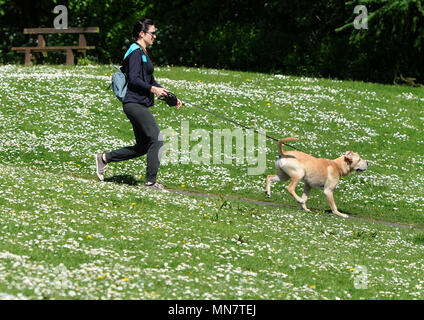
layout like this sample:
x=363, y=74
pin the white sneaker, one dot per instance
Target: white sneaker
x=101, y=166
x=156, y=186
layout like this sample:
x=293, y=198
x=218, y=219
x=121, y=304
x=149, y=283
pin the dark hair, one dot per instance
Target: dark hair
x=141, y=25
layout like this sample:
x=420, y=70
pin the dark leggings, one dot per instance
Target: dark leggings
x=148, y=140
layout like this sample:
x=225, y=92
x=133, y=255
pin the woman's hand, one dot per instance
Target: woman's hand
x=179, y=104
x=159, y=92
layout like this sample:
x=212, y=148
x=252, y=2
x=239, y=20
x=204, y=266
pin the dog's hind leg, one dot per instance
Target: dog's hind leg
x=269, y=179
x=292, y=187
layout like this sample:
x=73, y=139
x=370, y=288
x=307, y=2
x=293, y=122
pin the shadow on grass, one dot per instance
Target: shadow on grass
x=123, y=179
x=419, y=238
x=341, y=211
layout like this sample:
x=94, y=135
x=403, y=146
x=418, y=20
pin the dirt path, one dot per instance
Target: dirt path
x=273, y=204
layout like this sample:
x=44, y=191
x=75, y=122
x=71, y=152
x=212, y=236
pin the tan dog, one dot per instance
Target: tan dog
x=317, y=173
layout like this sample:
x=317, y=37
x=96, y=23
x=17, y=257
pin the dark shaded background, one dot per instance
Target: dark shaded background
x=312, y=38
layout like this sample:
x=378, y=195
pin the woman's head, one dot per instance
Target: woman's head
x=144, y=30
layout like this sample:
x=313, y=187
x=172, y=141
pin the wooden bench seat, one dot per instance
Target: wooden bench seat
x=41, y=43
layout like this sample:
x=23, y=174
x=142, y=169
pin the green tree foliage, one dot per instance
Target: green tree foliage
x=114, y=19
x=393, y=45
x=314, y=38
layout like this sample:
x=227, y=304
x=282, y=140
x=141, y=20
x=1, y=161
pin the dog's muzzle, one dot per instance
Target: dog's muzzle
x=362, y=170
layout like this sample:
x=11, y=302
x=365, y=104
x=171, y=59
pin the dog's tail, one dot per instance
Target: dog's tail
x=281, y=142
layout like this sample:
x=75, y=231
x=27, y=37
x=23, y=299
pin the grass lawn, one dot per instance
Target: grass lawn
x=66, y=235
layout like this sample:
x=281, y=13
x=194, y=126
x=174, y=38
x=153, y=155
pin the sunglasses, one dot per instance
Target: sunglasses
x=152, y=33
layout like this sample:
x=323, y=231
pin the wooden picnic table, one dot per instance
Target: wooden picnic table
x=42, y=48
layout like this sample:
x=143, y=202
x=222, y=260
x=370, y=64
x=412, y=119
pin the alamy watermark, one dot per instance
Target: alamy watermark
x=360, y=277
x=361, y=21
x=61, y=21
x=215, y=147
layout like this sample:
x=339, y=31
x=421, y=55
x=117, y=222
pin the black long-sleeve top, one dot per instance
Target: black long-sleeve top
x=139, y=70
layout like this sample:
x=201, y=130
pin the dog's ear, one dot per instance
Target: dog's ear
x=348, y=156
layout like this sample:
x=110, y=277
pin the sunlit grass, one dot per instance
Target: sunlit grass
x=65, y=235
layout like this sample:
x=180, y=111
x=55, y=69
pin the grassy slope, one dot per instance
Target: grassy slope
x=66, y=235
x=382, y=123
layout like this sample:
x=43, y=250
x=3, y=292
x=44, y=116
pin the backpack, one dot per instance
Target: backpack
x=119, y=84
x=119, y=79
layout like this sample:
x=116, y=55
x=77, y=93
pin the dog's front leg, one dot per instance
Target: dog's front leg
x=330, y=198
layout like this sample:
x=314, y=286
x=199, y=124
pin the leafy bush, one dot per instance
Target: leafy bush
x=299, y=37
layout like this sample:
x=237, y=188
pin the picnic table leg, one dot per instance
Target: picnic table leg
x=28, y=58
x=69, y=57
x=82, y=43
x=42, y=43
